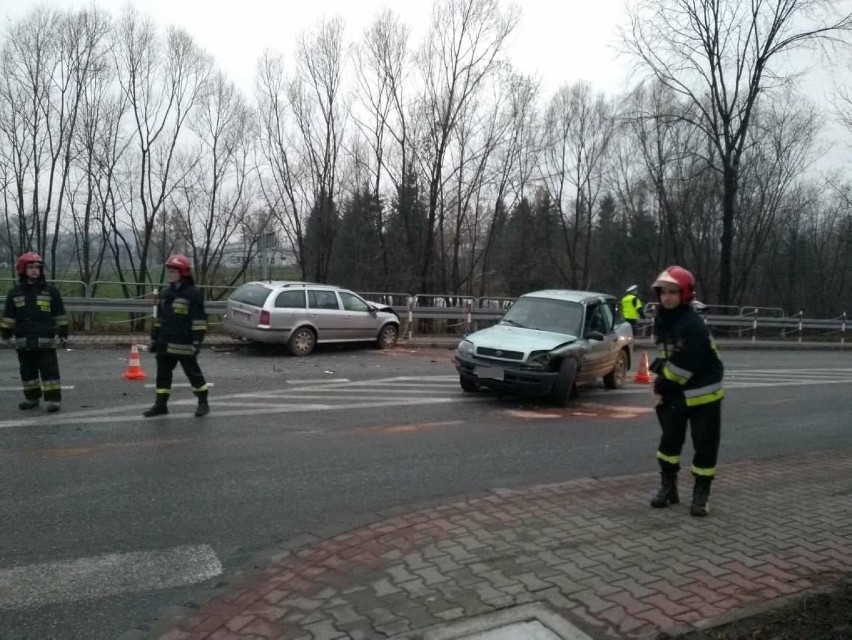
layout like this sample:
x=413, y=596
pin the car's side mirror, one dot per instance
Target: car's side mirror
x=595, y=335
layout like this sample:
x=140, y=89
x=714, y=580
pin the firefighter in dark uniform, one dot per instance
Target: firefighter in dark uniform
x=33, y=319
x=688, y=389
x=177, y=335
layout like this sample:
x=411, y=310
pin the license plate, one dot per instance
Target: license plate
x=239, y=313
x=489, y=373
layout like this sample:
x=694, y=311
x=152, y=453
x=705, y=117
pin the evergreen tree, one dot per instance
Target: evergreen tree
x=320, y=230
x=406, y=236
x=356, y=259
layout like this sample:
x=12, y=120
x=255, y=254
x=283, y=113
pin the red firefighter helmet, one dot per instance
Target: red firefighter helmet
x=181, y=263
x=679, y=277
x=27, y=258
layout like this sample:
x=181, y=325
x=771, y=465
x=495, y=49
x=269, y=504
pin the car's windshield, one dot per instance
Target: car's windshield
x=251, y=294
x=545, y=314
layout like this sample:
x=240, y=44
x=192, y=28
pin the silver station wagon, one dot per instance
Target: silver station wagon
x=302, y=315
x=547, y=344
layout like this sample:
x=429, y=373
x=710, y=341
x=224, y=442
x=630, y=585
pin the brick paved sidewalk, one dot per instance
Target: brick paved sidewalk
x=590, y=551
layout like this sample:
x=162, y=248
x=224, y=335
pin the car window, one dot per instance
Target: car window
x=615, y=310
x=608, y=317
x=322, y=299
x=546, y=314
x=293, y=299
x=352, y=302
x=598, y=318
x=252, y=294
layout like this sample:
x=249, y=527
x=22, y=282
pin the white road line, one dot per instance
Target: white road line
x=318, y=381
x=149, y=385
x=264, y=410
x=20, y=388
x=106, y=575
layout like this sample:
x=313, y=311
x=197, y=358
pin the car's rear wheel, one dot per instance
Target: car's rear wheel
x=387, y=337
x=563, y=389
x=468, y=385
x=616, y=378
x=302, y=342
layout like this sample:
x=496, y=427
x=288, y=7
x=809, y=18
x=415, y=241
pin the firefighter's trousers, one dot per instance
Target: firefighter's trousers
x=705, y=423
x=166, y=364
x=40, y=373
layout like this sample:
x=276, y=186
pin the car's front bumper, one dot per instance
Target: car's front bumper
x=514, y=378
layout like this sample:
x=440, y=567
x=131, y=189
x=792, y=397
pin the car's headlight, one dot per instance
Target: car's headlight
x=465, y=346
x=539, y=359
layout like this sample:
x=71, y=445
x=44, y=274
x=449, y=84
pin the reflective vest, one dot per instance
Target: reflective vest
x=630, y=306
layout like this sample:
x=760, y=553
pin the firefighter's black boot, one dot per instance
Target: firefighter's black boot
x=700, y=497
x=667, y=493
x=28, y=404
x=203, y=408
x=160, y=408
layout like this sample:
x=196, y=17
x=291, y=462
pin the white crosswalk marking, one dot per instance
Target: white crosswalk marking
x=106, y=575
x=340, y=394
x=19, y=389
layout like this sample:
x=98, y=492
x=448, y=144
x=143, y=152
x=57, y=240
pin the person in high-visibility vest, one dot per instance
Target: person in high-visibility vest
x=631, y=306
x=688, y=389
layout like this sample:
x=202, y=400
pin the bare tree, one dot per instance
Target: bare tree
x=320, y=115
x=216, y=197
x=785, y=133
x=379, y=67
x=721, y=55
x=513, y=162
x=282, y=182
x=28, y=119
x=463, y=48
x=97, y=146
x=577, y=132
x=162, y=83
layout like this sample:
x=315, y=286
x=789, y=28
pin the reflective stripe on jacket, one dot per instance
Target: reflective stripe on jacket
x=35, y=315
x=691, y=363
x=181, y=320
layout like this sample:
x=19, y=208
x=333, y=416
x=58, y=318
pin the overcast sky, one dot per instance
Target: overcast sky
x=557, y=41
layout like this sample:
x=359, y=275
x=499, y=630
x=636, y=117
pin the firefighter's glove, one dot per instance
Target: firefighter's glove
x=152, y=347
x=657, y=366
x=63, y=341
x=196, y=347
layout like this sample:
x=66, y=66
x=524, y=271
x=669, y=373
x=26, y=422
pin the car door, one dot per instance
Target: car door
x=359, y=321
x=289, y=310
x=597, y=355
x=608, y=313
x=325, y=314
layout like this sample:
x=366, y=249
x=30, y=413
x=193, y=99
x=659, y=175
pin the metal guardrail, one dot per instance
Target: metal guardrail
x=128, y=305
x=466, y=312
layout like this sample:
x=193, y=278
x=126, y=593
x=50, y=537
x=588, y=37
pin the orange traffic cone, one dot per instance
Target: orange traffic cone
x=134, y=367
x=643, y=375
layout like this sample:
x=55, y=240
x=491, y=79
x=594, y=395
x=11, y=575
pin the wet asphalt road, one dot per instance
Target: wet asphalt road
x=308, y=446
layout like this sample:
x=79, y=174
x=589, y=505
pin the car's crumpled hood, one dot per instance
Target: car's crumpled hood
x=509, y=338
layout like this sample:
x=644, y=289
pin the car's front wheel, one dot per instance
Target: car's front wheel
x=563, y=389
x=387, y=337
x=302, y=342
x=616, y=378
x=468, y=385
